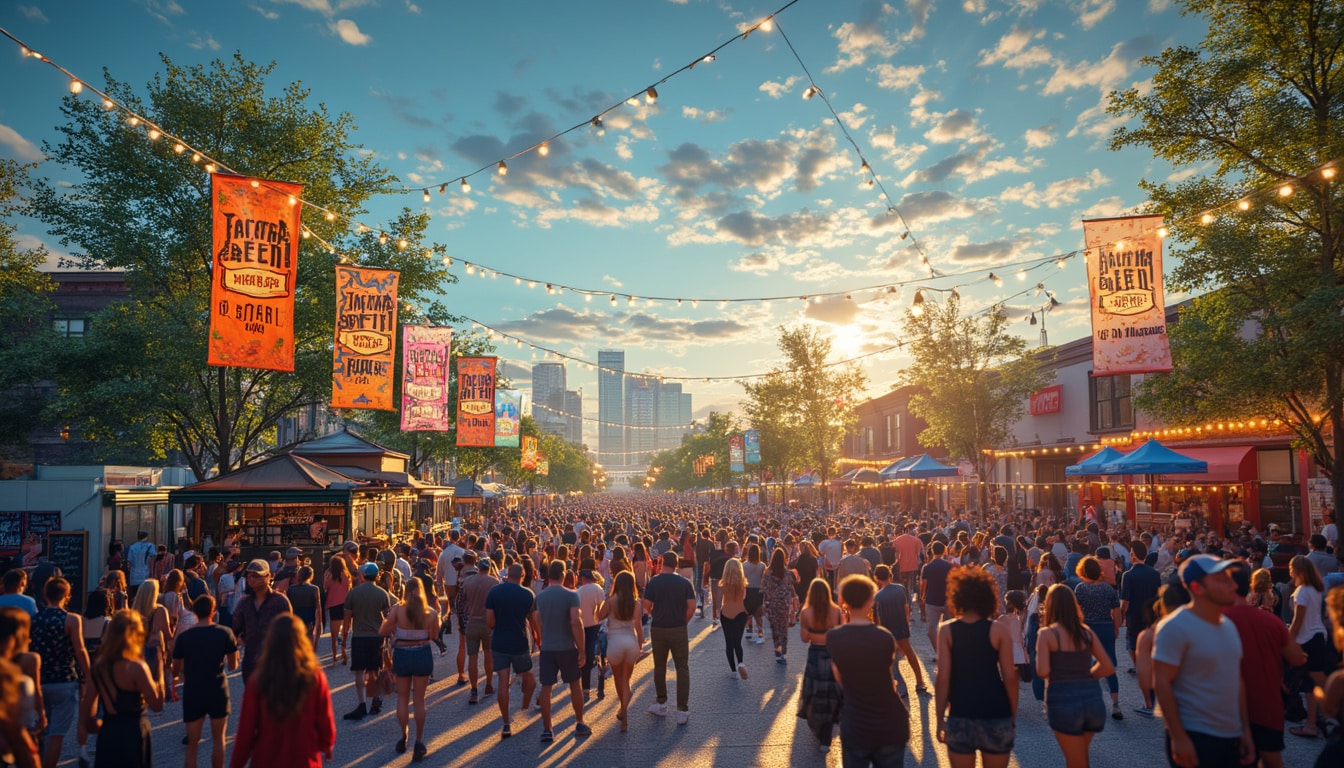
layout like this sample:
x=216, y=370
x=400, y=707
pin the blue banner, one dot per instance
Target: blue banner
x=753, y=446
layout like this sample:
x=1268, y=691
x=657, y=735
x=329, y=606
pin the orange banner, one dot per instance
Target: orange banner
x=256, y=256
x=1124, y=281
x=476, y=402
x=529, y=458
x=366, y=327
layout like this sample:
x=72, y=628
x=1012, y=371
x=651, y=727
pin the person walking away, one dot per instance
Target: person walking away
x=625, y=637
x=909, y=551
x=337, y=583
x=732, y=588
x=474, y=586
x=286, y=719
x=412, y=624
x=447, y=574
x=306, y=600
x=780, y=602
x=97, y=614
x=366, y=605
x=1071, y=659
x=1308, y=630
x=754, y=570
x=933, y=591
x=670, y=601
x=561, y=655
x=510, y=612
x=155, y=619
x=1330, y=697
x=58, y=637
x=975, y=690
x=1101, y=613
x=1013, y=619
x=1197, y=672
x=1266, y=646
x=891, y=610
x=30, y=714
x=15, y=582
x=591, y=596
x=819, y=701
x=717, y=562
x=874, y=722
x=201, y=656
x=252, y=616
x=122, y=682
x=139, y=556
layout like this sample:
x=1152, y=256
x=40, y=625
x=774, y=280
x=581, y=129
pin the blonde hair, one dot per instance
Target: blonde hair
x=417, y=608
x=734, y=581
x=146, y=600
x=1262, y=580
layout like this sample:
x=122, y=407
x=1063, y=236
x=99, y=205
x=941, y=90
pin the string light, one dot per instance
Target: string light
x=996, y=280
x=917, y=307
x=466, y=187
x=1286, y=190
x=651, y=95
x=503, y=168
x=544, y=149
x=426, y=196
x=76, y=87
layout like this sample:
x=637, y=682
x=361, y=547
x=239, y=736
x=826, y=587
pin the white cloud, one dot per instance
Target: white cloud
x=703, y=115
x=1056, y=194
x=1015, y=51
x=412, y=7
x=777, y=90
x=863, y=38
x=1091, y=12
x=200, y=43
x=1158, y=6
x=613, y=282
x=348, y=31
x=19, y=147
x=32, y=13
x=266, y=13
x=1105, y=74
x=1039, y=138
x=957, y=125
x=895, y=78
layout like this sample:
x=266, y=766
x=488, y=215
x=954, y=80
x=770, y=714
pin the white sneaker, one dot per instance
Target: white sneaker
x=733, y=674
x=742, y=670
x=682, y=717
x=660, y=710
x=760, y=639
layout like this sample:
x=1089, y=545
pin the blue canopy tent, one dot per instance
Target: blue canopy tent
x=1092, y=464
x=889, y=472
x=866, y=475
x=1154, y=458
x=925, y=466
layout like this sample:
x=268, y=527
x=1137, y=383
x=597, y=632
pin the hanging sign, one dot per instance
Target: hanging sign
x=1124, y=280
x=735, y=452
x=507, y=407
x=529, y=453
x=1047, y=400
x=425, y=352
x=366, y=326
x=476, y=402
x=255, y=243
x=752, y=444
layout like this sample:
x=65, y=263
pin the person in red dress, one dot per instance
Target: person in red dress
x=287, y=717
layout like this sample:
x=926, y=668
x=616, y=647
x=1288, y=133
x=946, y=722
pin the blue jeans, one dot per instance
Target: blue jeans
x=1037, y=683
x=858, y=756
x=1106, y=634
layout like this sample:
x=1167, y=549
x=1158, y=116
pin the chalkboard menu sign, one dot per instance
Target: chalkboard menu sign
x=11, y=532
x=69, y=551
x=43, y=522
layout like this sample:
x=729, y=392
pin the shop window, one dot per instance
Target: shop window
x=867, y=441
x=1112, y=403
x=893, y=432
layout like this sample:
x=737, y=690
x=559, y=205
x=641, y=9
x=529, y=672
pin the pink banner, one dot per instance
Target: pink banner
x=1124, y=281
x=424, y=381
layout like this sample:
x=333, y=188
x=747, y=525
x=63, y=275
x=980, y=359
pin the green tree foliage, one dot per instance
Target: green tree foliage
x=803, y=407
x=675, y=469
x=972, y=376
x=140, y=378
x=1258, y=105
x=24, y=304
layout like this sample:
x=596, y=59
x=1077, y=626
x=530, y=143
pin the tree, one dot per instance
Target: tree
x=24, y=303
x=805, y=404
x=142, y=207
x=674, y=469
x=972, y=377
x=1259, y=105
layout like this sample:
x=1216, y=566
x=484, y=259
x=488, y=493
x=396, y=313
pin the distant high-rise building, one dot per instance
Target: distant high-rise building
x=641, y=416
x=611, y=442
x=548, y=398
x=574, y=416
x=686, y=417
x=669, y=415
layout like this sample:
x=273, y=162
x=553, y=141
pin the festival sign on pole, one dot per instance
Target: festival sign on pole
x=256, y=254
x=425, y=352
x=735, y=452
x=366, y=329
x=1124, y=281
x=507, y=423
x=529, y=453
x=752, y=445
x=476, y=402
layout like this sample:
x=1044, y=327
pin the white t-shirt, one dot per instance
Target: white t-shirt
x=1308, y=597
x=445, y=569
x=591, y=596
x=1331, y=533
x=1208, y=684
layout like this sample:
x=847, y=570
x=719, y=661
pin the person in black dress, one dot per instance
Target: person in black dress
x=121, y=680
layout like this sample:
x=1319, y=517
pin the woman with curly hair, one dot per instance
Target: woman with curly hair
x=286, y=718
x=976, y=685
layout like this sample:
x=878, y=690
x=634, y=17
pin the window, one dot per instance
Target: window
x=891, y=422
x=1112, y=404
x=71, y=328
x=867, y=441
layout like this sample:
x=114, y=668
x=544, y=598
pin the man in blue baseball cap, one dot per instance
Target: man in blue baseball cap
x=1197, y=672
x=366, y=605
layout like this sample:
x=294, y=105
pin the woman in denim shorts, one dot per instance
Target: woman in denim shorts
x=1071, y=659
x=411, y=624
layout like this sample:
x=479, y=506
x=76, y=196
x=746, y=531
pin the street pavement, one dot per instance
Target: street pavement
x=733, y=722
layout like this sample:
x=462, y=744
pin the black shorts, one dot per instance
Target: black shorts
x=1321, y=656
x=753, y=600
x=336, y=613
x=366, y=654
x=198, y=705
x=563, y=663
x=1267, y=739
x=1133, y=628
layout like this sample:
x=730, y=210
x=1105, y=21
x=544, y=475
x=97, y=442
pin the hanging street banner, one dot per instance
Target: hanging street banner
x=529, y=455
x=425, y=351
x=735, y=454
x=256, y=255
x=752, y=444
x=476, y=402
x=366, y=328
x=507, y=421
x=1124, y=282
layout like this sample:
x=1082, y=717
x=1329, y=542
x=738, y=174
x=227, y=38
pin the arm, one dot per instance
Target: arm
x=74, y=629
x=603, y=610
x=1299, y=618
x=1143, y=658
x=835, y=672
x=1103, y=666
x=326, y=718
x=648, y=606
x=389, y=625
x=690, y=610
x=1182, y=749
x=942, y=681
x=576, y=627
x=534, y=621
x=490, y=618
x=151, y=690
x=1007, y=669
x=1043, y=649
x=31, y=664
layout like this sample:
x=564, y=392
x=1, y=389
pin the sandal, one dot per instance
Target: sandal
x=1304, y=732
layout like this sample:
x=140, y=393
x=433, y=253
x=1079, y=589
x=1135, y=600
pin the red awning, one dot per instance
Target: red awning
x=1227, y=464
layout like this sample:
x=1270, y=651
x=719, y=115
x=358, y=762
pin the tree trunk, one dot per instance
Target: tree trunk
x=223, y=428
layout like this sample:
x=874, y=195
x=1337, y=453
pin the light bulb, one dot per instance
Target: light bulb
x=767, y=25
x=471, y=270
x=630, y=300
x=549, y=289
x=597, y=126
x=723, y=304
x=402, y=244
x=332, y=217
x=109, y=105
x=133, y=120
x=588, y=297
x=633, y=101
x=307, y=234
x=426, y=196
x=209, y=167
x=382, y=238
x=695, y=303
x=429, y=254
x=1163, y=232
x=503, y=168
x=1327, y=173
x=1244, y=205
x=651, y=95
x=544, y=149
x=993, y=278
x=517, y=281
x=1060, y=263
x=447, y=261
x=708, y=58
x=293, y=200
x=76, y=86
x=531, y=283
x=613, y=299
x=809, y=92
x=179, y=148
x=1206, y=218
x=1021, y=274
x=154, y=134
x=1119, y=245
x=1286, y=190
x=255, y=183
x=195, y=157
x=466, y=187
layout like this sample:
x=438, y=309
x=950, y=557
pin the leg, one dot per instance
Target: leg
x=194, y=742
x=576, y=700
x=1074, y=749
x=716, y=592
x=620, y=673
x=545, y=707
x=489, y=665
x=419, y=684
x=403, y=704
x=994, y=761
x=681, y=654
x=359, y=686
x=589, y=656
x=660, y=651
x=935, y=615
x=503, y=698
x=217, y=728
x=462, y=658
x=910, y=657
x=529, y=687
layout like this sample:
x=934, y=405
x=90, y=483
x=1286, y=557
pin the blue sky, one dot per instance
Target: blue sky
x=983, y=119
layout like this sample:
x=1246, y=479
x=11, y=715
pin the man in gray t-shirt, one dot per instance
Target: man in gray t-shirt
x=561, y=648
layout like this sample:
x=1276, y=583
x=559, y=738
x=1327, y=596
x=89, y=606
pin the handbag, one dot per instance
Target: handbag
x=387, y=681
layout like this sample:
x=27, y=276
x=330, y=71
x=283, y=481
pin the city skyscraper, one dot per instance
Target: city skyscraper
x=574, y=416
x=669, y=415
x=611, y=442
x=548, y=398
x=641, y=416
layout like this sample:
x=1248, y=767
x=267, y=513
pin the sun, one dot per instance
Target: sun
x=846, y=341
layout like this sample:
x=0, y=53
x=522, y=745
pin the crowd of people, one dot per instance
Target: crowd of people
x=585, y=589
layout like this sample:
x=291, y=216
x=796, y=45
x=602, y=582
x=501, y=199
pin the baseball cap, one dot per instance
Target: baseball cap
x=1199, y=566
x=350, y=546
x=293, y=552
x=369, y=569
x=258, y=566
